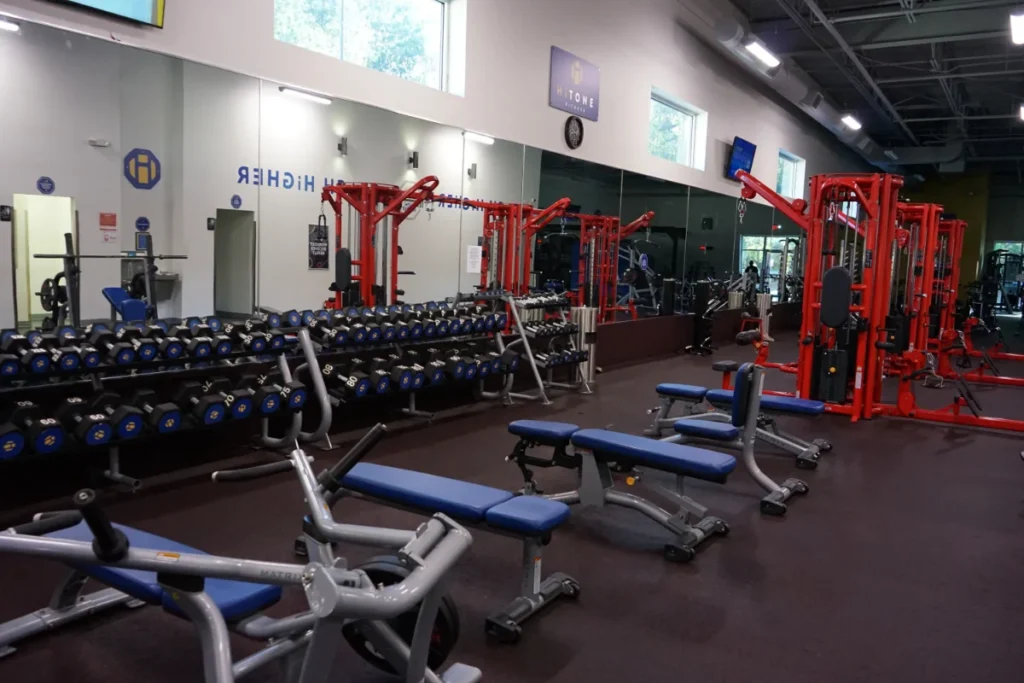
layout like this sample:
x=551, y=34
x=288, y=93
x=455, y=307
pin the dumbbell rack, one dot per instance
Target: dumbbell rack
x=529, y=307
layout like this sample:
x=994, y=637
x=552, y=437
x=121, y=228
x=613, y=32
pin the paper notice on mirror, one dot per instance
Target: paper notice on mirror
x=474, y=256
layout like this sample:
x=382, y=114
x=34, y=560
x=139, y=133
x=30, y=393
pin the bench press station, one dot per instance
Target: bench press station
x=707, y=404
x=739, y=431
x=526, y=518
x=591, y=452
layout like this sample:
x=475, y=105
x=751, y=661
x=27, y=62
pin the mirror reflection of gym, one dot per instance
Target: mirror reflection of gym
x=40, y=223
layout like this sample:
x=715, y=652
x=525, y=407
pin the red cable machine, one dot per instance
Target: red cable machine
x=374, y=202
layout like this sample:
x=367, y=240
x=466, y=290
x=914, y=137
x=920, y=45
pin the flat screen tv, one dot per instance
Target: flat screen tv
x=742, y=157
x=148, y=12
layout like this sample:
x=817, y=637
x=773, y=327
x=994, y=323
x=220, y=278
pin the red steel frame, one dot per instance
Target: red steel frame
x=365, y=198
x=882, y=231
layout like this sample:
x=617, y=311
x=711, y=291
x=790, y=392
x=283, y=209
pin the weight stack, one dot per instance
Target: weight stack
x=669, y=292
x=586, y=339
x=735, y=300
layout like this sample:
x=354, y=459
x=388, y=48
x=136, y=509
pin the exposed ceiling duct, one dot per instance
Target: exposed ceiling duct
x=723, y=27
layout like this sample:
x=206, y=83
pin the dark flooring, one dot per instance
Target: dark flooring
x=904, y=563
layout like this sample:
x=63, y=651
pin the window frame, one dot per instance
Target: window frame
x=799, y=171
x=696, y=129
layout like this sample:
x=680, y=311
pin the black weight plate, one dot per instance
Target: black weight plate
x=48, y=295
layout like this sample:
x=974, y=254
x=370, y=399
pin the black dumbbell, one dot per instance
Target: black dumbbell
x=238, y=401
x=167, y=346
x=454, y=365
x=266, y=394
x=212, y=322
x=74, y=340
x=144, y=347
x=195, y=347
x=162, y=417
x=250, y=335
x=401, y=375
x=220, y=344
x=355, y=330
x=126, y=420
x=352, y=385
x=206, y=409
x=293, y=392
x=90, y=427
x=18, y=346
x=374, y=369
x=509, y=361
x=12, y=441
x=291, y=318
x=433, y=364
x=420, y=372
x=63, y=358
x=44, y=434
x=119, y=353
x=329, y=337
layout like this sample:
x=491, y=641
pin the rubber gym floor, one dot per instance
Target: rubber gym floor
x=904, y=563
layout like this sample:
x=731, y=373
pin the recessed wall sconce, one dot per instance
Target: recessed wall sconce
x=472, y=171
x=414, y=159
x=343, y=146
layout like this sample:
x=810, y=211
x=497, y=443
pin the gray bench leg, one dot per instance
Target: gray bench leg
x=536, y=593
x=806, y=452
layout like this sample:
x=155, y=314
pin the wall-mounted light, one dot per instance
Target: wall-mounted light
x=477, y=137
x=414, y=159
x=472, y=171
x=763, y=55
x=343, y=146
x=850, y=122
x=8, y=25
x=308, y=96
x=1017, y=28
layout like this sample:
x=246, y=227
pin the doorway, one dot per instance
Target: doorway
x=40, y=223
x=234, y=263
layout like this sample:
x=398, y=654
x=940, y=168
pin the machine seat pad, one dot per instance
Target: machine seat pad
x=127, y=307
x=725, y=366
x=687, y=391
x=528, y=515
x=689, y=461
x=706, y=429
x=235, y=599
x=771, y=403
x=544, y=432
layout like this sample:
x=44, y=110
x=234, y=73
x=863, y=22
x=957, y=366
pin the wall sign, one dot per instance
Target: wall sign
x=142, y=169
x=45, y=185
x=573, y=132
x=142, y=224
x=474, y=258
x=236, y=202
x=575, y=84
x=318, y=246
x=108, y=220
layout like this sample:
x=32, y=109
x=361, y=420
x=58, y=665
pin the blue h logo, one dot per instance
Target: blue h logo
x=142, y=169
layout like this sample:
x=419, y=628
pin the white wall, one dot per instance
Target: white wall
x=638, y=45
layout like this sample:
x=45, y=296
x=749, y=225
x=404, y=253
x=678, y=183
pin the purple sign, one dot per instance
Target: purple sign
x=575, y=84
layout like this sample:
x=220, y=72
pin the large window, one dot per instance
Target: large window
x=676, y=131
x=766, y=255
x=789, y=182
x=404, y=38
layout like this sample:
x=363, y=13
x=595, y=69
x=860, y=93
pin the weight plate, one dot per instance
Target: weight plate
x=48, y=295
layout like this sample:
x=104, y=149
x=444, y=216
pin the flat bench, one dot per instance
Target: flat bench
x=592, y=452
x=769, y=402
x=531, y=519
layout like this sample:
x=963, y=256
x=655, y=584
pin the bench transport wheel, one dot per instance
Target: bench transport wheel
x=679, y=553
x=773, y=507
x=571, y=589
x=806, y=462
x=722, y=528
x=823, y=445
x=505, y=631
x=388, y=570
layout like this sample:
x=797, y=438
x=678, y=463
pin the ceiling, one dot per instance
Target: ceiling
x=914, y=72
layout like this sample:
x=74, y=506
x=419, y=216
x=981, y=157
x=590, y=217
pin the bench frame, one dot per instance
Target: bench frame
x=535, y=591
x=774, y=503
x=597, y=489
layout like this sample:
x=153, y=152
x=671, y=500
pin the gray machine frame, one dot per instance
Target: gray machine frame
x=337, y=596
x=774, y=503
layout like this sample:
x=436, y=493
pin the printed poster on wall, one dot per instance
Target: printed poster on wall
x=318, y=247
x=575, y=84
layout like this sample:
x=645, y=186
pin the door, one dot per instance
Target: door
x=40, y=223
x=234, y=263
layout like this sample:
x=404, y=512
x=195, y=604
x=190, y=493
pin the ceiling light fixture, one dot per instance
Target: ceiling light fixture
x=8, y=25
x=308, y=96
x=850, y=122
x=763, y=55
x=1017, y=28
x=477, y=137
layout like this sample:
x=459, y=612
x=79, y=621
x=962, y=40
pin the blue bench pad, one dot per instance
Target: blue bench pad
x=687, y=391
x=127, y=307
x=706, y=429
x=772, y=403
x=235, y=599
x=544, y=432
x=461, y=500
x=670, y=457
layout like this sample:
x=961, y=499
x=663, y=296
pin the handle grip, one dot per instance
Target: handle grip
x=48, y=523
x=330, y=479
x=109, y=544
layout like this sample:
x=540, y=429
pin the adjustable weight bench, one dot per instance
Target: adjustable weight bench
x=527, y=518
x=739, y=431
x=591, y=452
x=239, y=602
x=122, y=304
x=715, y=404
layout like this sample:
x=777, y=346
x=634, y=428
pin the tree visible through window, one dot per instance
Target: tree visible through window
x=671, y=133
x=404, y=38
